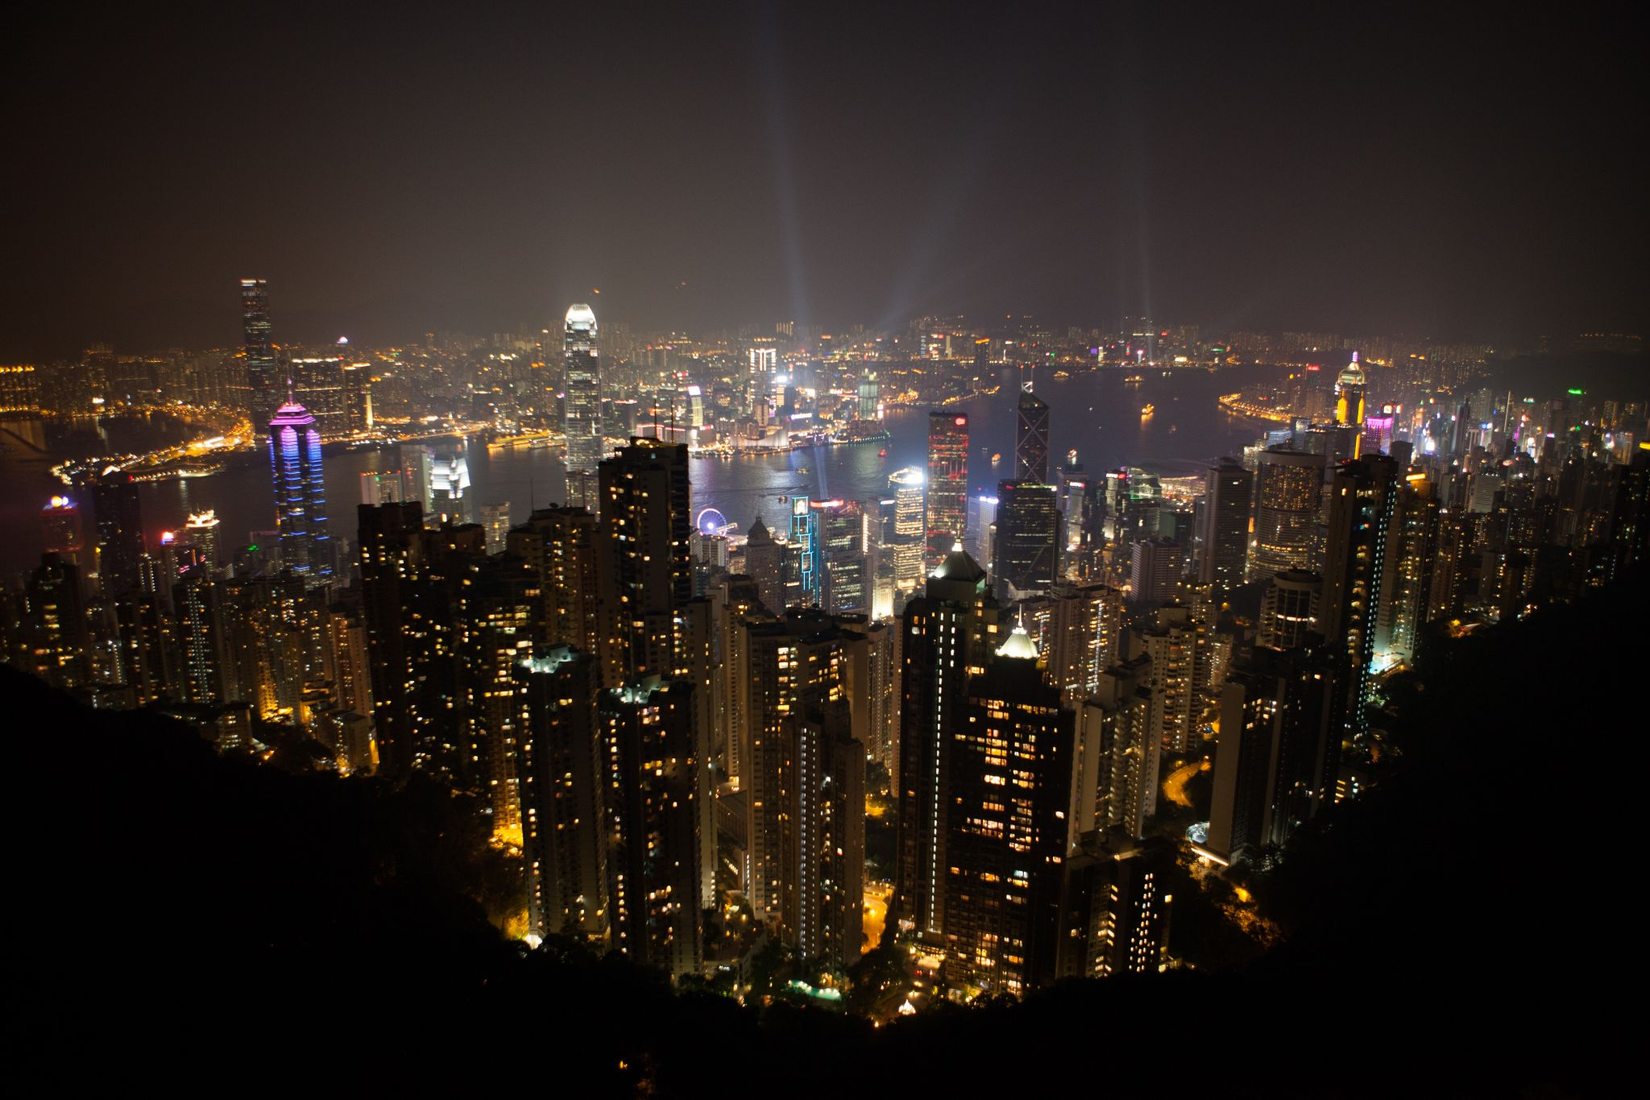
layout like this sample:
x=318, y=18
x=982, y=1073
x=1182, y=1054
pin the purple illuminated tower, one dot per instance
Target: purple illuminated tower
x=300, y=493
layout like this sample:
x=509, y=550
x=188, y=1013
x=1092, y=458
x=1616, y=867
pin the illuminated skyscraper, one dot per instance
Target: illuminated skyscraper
x=807, y=564
x=1031, y=438
x=906, y=543
x=582, y=419
x=765, y=562
x=1289, y=609
x=262, y=373
x=649, y=774
x=1349, y=401
x=64, y=536
x=202, y=530
x=300, y=493
x=1362, y=499
x=1007, y=832
x=1288, y=491
x=946, y=521
x=644, y=566
x=947, y=635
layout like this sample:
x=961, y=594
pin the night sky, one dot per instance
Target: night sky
x=427, y=167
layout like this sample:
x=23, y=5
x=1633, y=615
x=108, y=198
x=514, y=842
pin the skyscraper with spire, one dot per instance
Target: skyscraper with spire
x=1031, y=438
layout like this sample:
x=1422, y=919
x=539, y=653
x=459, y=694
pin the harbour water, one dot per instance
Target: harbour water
x=1099, y=414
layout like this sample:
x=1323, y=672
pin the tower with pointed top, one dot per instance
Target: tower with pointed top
x=582, y=406
x=1349, y=400
x=300, y=493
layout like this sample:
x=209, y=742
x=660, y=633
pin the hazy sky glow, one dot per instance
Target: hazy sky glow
x=428, y=167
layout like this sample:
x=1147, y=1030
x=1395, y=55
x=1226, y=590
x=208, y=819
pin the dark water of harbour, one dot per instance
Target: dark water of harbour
x=1098, y=414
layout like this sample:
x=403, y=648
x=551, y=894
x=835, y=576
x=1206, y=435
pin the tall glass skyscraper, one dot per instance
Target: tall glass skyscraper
x=1031, y=439
x=262, y=374
x=300, y=493
x=947, y=510
x=582, y=418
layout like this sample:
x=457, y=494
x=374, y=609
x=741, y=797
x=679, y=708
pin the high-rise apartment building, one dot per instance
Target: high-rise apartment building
x=644, y=567
x=561, y=767
x=651, y=794
x=947, y=636
x=1007, y=833
x=1289, y=609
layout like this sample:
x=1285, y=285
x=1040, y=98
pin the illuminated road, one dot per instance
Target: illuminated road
x=876, y=911
x=1174, y=784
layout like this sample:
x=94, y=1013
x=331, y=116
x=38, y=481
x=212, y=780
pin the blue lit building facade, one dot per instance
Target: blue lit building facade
x=300, y=493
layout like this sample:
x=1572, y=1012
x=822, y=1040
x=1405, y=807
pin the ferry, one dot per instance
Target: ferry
x=1146, y=410
x=996, y=457
x=1132, y=379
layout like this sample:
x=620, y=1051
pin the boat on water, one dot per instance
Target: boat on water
x=882, y=452
x=996, y=457
x=1131, y=379
x=1146, y=410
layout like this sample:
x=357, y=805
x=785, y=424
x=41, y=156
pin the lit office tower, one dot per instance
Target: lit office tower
x=1412, y=544
x=947, y=636
x=764, y=367
x=650, y=797
x=300, y=493
x=202, y=529
x=1278, y=750
x=1288, y=491
x=1007, y=832
x=559, y=547
x=765, y=562
x=318, y=385
x=119, y=532
x=1031, y=438
x=805, y=586
x=982, y=530
x=263, y=378
x=1289, y=609
x=582, y=419
x=907, y=541
x=1117, y=759
x=64, y=536
x=1362, y=497
x=204, y=665
x=644, y=566
x=1223, y=537
x=870, y=396
x=1025, y=552
x=560, y=765
x=946, y=520
x=1349, y=400
x=840, y=536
